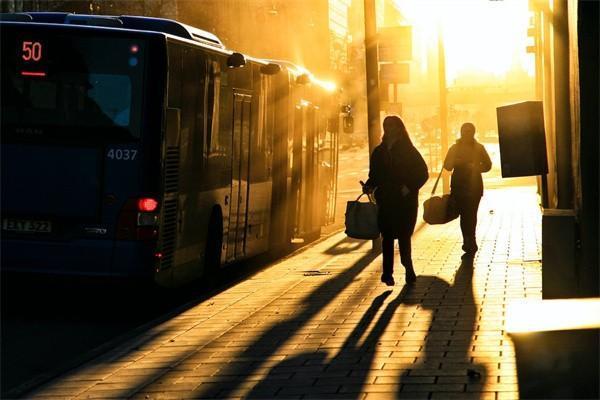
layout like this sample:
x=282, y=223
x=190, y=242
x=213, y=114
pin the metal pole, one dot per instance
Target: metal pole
x=443, y=107
x=539, y=51
x=372, y=69
x=562, y=112
x=539, y=87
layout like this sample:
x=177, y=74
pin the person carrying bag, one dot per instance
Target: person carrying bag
x=397, y=170
x=467, y=159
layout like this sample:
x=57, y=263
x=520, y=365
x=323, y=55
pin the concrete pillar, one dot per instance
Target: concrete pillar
x=372, y=74
x=562, y=110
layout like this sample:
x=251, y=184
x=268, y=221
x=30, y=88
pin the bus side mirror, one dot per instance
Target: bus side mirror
x=270, y=69
x=348, y=124
x=303, y=79
x=236, y=60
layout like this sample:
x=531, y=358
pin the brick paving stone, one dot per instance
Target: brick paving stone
x=464, y=396
x=284, y=334
x=495, y=387
x=401, y=395
x=507, y=396
x=371, y=388
x=309, y=391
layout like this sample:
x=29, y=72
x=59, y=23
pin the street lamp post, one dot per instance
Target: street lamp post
x=443, y=108
x=372, y=69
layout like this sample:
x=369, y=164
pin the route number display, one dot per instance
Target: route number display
x=32, y=51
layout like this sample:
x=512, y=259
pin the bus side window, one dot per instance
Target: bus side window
x=174, y=89
x=213, y=93
x=198, y=85
x=192, y=100
x=260, y=152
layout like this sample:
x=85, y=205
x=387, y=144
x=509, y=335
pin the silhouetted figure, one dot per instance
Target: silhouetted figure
x=397, y=172
x=467, y=159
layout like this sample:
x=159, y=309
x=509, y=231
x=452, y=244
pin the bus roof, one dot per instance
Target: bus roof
x=141, y=24
x=137, y=23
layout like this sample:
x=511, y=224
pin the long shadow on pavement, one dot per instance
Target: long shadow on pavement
x=345, y=246
x=352, y=357
x=446, y=363
x=445, y=366
x=266, y=345
x=314, y=302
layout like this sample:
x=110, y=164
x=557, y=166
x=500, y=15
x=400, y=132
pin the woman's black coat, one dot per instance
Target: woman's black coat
x=390, y=170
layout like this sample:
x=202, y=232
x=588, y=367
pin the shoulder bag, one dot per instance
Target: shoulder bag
x=439, y=210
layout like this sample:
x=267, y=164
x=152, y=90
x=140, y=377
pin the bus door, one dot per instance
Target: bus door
x=303, y=177
x=296, y=181
x=328, y=164
x=238, y=211
x=311, y=206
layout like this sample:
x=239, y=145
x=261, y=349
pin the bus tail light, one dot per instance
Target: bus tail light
x=147, y=204
x=138, y=219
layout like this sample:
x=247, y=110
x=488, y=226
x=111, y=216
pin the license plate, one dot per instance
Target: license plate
x=26, y=225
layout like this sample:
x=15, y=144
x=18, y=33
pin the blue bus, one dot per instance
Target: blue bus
x=143, y=148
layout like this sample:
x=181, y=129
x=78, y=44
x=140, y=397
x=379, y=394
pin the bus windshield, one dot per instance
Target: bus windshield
x=71, y=86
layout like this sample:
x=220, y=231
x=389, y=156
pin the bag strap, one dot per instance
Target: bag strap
x=436, y=182
x=439, y=176
x=368, y=196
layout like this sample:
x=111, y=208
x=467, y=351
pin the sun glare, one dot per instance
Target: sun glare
x=480, y=36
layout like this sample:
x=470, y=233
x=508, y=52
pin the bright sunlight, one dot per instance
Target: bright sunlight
x=480, y=36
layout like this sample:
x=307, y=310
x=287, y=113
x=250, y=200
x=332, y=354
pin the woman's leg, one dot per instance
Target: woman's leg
x=405, y=251
x=387, y=249
x=404, y=243
x=468, y=223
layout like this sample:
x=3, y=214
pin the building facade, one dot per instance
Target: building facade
x=566, y=49
x=154, y=8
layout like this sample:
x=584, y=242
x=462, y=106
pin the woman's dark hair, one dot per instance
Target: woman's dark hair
x=393, y=124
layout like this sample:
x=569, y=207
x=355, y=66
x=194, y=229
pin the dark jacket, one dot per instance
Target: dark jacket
x=467, y=159
x=391, y=170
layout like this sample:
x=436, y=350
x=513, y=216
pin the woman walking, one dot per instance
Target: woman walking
x=397, y=172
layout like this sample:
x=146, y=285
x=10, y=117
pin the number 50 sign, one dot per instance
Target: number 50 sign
x=31, y=51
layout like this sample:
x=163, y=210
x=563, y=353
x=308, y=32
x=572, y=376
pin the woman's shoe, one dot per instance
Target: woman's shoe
x=388, y=279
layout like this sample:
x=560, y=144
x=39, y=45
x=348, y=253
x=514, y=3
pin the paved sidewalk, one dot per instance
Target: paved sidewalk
x=319, y=324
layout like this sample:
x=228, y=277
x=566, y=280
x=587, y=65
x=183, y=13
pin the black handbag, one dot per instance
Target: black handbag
x=439, y=209
x=361, y=219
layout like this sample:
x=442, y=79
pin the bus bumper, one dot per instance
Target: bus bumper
x=83, y=257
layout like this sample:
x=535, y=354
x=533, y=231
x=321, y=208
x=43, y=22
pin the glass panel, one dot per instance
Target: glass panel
x=71, y=87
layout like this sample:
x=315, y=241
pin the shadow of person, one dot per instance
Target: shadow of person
x=447, y=360
x=345, y=246
x=348, y=369
x=268, y=343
